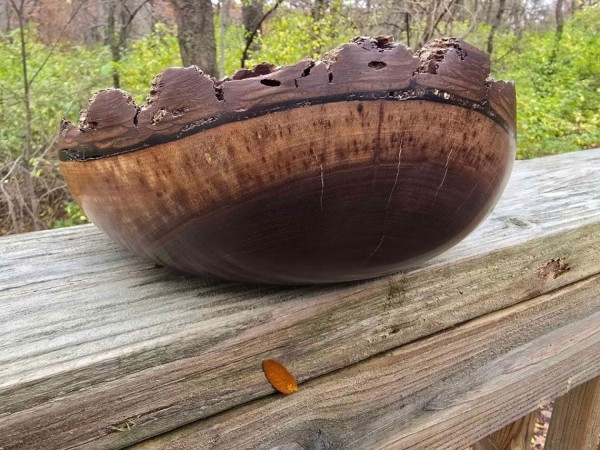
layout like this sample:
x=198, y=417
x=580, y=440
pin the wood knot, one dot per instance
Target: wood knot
x=553, y=269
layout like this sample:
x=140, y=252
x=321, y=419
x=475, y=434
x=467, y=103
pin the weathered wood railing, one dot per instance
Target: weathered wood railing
x=102, y=349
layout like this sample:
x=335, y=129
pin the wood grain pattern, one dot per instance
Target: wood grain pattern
x=442, y=392
x=330, y=193
x=575, y=421
x=93, y=329
x=515, y=436
x=366, y=163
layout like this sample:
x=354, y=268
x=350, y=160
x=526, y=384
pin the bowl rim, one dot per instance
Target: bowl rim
x=185, y=101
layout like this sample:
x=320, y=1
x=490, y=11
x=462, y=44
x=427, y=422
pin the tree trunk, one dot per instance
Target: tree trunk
x=407, y=28
x=559, y=19
x=319, y=8
x=113, y=43
x=223, y=23
x=459, y=11
x=117, y=36
x=26, y=96
x=488, y=11
x=250, y=38
x=30, y=201
x=495, y=25
x=515, y=18
x=5, y=16
x=252, y=13
x=196, y=34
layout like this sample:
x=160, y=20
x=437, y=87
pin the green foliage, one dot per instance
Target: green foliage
x=68, y=78
x=74, y=215
x=292, y=35
x=234, y=46
x=288, y=36
x=147, y=57
x=558, y=81
x=558, y=85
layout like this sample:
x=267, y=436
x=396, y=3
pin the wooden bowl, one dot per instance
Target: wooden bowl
x=368, y=162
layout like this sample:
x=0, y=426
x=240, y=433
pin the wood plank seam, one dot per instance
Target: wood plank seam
x=378, y=356
x=388, y=313
x=527, y=367
x=164, y=408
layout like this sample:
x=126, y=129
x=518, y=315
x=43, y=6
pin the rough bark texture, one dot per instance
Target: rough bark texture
x=560, y=21
x=185, y=101
x=113, y=42
x=495, y=25
x=196, y=34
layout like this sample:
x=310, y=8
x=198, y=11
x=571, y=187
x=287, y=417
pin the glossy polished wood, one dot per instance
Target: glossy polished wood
x=332, y=190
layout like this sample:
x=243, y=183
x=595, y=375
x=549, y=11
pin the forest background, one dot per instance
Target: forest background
x=55, y=53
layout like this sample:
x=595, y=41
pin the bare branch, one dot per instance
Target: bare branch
x=17, y=94
x=11, y=209
x=18, y=9
x=429, y=33
x=133, y=14
x=52, y=191
x=56, y=42
x=10, y=171
x=250, y=38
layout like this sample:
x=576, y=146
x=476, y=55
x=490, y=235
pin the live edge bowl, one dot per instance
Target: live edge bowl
x=366, y=163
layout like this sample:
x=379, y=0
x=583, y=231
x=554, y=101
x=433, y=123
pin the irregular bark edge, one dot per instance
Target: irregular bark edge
x=86, y=152
x=185, y=101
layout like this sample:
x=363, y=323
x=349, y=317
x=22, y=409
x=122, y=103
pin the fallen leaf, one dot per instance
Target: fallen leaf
x=279, y=377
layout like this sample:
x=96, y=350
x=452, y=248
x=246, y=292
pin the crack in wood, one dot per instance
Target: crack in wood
x=389, y=201
x=443, y=178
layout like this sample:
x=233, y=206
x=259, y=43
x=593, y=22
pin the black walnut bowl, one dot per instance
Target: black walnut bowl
x=365, y=163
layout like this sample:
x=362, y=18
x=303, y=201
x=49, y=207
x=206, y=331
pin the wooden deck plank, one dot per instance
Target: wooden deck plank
x=442, y=392
x=94, y=329
x=514, y=436
x=575, y=421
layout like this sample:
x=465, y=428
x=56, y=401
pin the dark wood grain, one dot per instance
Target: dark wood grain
x=306, y=200
x=363, y=164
